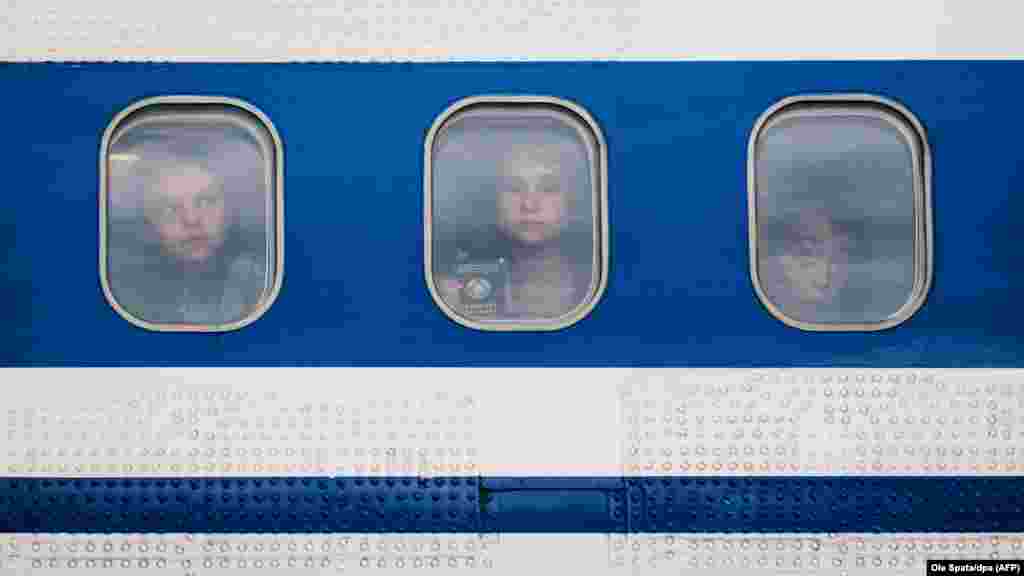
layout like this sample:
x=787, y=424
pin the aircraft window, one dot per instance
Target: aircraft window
x=516, y=230
x=191, y=214
x=840, y=215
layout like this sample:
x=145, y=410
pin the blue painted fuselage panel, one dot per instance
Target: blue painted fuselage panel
x=679, y=292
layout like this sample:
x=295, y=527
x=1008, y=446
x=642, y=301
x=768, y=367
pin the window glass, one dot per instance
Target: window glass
x=191, y=215
x=840, y=206
x=515, y=214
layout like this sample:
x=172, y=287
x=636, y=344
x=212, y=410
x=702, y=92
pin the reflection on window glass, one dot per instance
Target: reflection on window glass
x=190, y=216
x=515, y=209
x=839, y=204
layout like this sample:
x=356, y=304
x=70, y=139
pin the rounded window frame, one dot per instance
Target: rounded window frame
x=902, y=119
x=579, y=118
x=275, y=147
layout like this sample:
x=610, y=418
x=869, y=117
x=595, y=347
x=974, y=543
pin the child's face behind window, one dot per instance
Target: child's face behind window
x=188, y=213
x=815, y=263
x=532, y=199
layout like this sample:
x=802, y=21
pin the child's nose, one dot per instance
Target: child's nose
x=531, y=201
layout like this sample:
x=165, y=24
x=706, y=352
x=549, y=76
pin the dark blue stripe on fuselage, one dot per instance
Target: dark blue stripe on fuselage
x=546, y=505
x=679, y=292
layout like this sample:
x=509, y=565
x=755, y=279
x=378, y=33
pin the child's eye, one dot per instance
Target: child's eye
x=206, y=201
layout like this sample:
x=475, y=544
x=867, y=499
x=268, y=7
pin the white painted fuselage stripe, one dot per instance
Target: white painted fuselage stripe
x=474, y=30
x=851, y=554
x=254, y=422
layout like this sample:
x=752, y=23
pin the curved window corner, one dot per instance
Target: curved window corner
x=191, y=214
x=516, y=233
x=840, y=212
